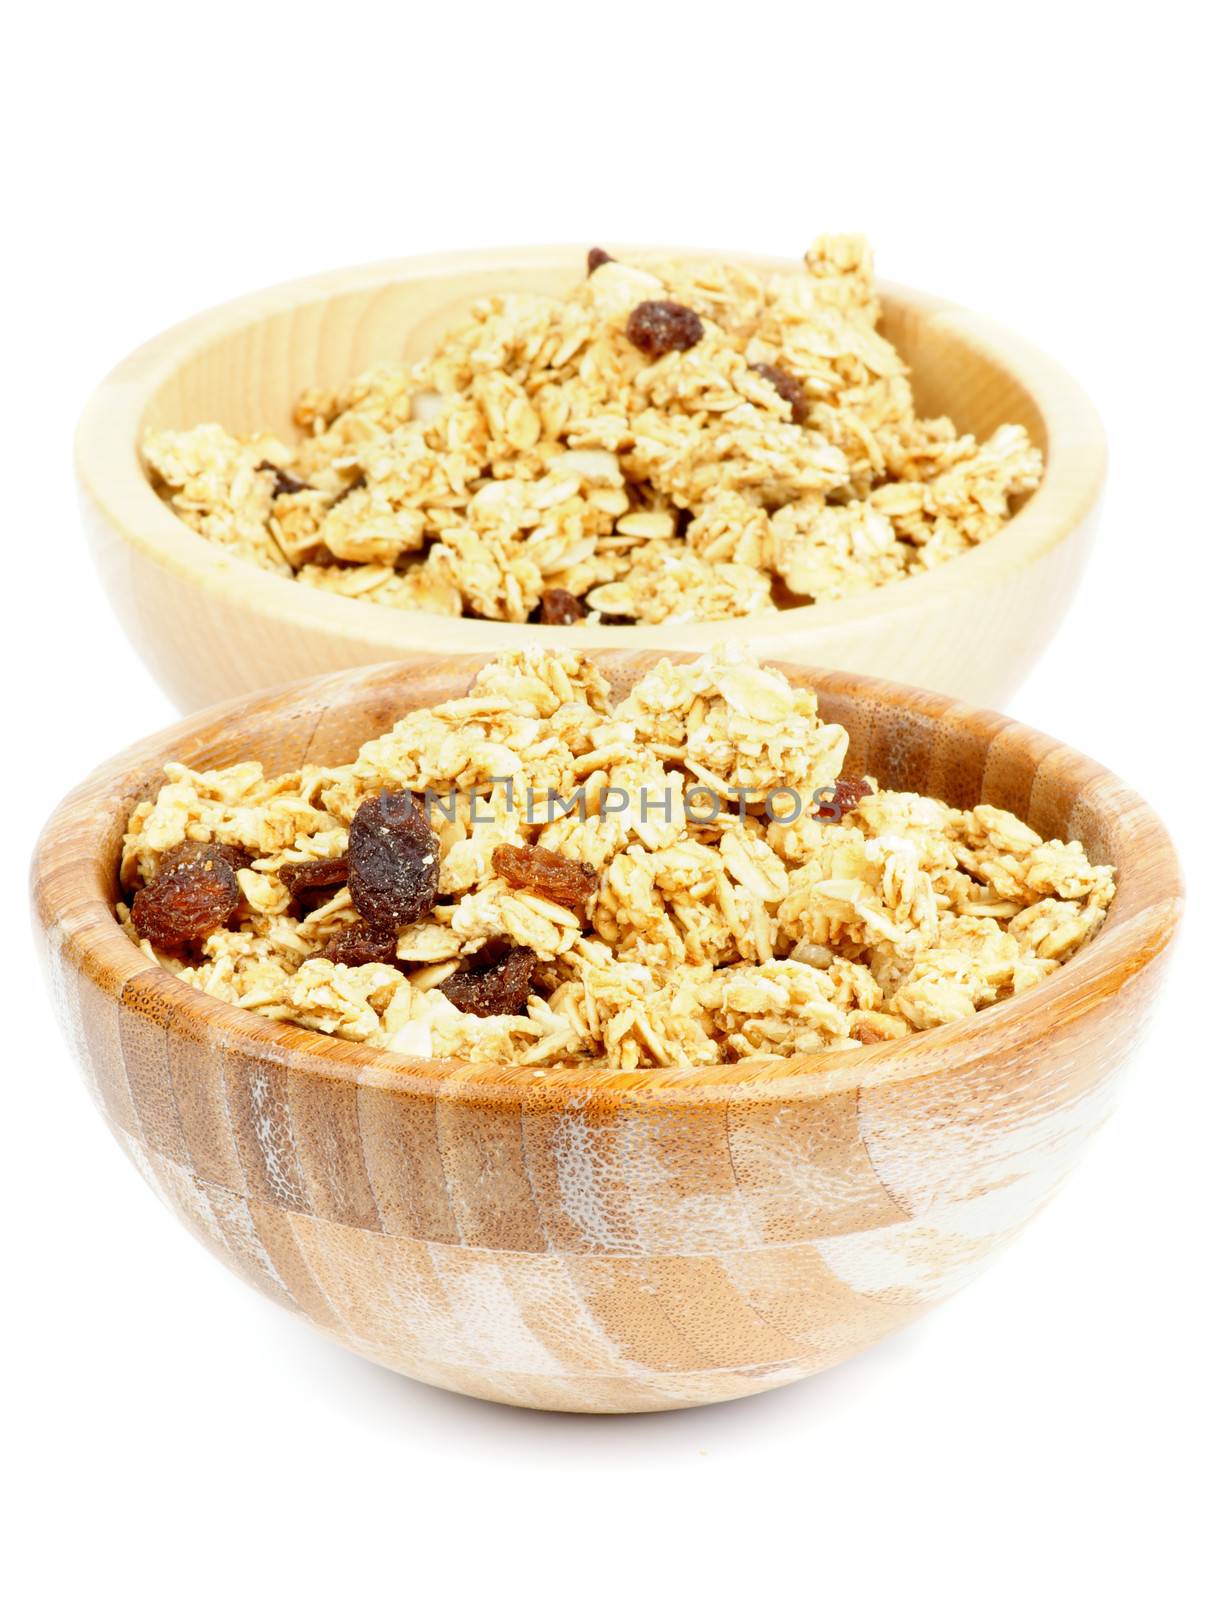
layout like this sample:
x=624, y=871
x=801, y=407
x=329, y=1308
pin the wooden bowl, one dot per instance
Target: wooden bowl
x=210, y=625
x=588, y=1240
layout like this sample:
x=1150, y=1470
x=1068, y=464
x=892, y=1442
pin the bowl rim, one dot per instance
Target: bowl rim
x=113, y=481
x=73, y=905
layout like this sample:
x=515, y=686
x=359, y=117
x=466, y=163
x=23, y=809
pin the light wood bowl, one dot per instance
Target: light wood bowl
x=589, y=1240
x=210, y=626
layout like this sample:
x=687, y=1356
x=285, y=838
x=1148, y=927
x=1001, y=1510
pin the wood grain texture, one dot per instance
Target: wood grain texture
x=210, y=626
x=592, y=1240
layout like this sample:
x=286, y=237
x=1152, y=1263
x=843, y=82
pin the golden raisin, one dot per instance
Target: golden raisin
x=534, y=870
x=866, y=1032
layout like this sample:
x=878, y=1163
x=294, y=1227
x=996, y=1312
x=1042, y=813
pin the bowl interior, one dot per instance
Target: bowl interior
x=248, y=373
x=212, y=625
x=906, y=738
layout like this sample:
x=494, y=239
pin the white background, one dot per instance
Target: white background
x=1046, y=1431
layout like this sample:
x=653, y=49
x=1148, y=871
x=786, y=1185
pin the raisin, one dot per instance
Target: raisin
x=610, y=621
x=657, y=326
x=283, y=482
x=596, y=258
x=560, y=607
x=495, y=990
x=299, y=877
x=393, y=860
x=359, y=943
x=845, y=795
x=534, y=870
x=866, y=1032
x=187, y=902
x=191, y=851
x=357, y=482
x=787, y=387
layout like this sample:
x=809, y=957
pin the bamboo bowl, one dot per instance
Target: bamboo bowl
x=210, y=626
x=588, y=1240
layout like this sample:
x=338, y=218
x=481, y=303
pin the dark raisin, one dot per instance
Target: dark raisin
x=300, y=877
x=393, y=861
x=191, y=851
x=187, y=902
x=787, y=387
x=610, y=621
x=534, y=870
x=283, y=482
x=560, y=607
x=596, y=258
x=496, y=990
x=657, y=326
x=845, y=795
x=358, y=482
x=359, y=943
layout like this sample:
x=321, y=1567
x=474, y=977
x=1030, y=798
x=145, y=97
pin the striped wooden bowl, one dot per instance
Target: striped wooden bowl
x=210, y=625
x=589, y=1240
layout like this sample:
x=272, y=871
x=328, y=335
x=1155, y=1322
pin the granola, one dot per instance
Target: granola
x=537, y=875
x=666, y=443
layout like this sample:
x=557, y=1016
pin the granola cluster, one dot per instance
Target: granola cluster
x=534, y=875
x=668, y=443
